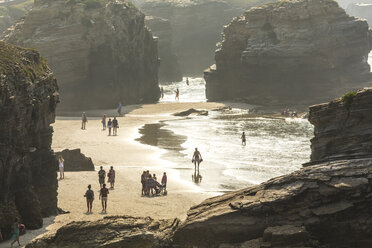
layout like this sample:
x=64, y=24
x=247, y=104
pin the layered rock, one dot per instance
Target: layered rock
x=12, y=11
x=169, y=69
x=290, y=52
x=28, y=98
x=196, y=26
x=74, y=160
x=342, y=127
x=100, y=51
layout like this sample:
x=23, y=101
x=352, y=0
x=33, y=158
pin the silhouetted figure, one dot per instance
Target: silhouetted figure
x=84, y=120
x=119, y=108
x=103, y=194
x=187, y=81
x=162, y=92
x=115, y=126
x=177, y=94
x=111, y=177
x=89, y=195
x=101, y=176
x=243, y=139
x=197, y=159
x=109, y=125
x=103, y=122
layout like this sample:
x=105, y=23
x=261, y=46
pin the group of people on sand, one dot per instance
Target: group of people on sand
x=177, y=91
x=110, y=124
x=289, y=113
x=151, y=185
x=103, y=192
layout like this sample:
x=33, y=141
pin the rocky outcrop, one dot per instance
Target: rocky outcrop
x=12, y=11
x=191, y=112
x=113, y=232
x=74, y=160
x=196, y=25
x=169, y=69
x=361, y=10
x=28, y=98
x=342, y=128
x=100, y=51
x=290, y=52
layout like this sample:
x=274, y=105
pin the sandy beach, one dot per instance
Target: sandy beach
x=129, y=158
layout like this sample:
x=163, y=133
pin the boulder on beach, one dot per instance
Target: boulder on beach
x=28, y=100
x=74, y=160
x=290, y=52
x=191, y=112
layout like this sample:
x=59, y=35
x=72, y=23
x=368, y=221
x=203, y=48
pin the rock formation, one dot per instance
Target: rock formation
x=74, y=160
x=28, y=98
x=196, y=25
x=100, y=51
x=290, y=52
x=169, y=69
x=12, y=11
x=342, y=128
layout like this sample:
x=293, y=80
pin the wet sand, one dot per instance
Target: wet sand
x=129, y=158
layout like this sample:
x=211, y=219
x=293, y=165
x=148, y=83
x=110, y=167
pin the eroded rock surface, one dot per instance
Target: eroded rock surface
x=100, y=51
x=342, y=128
x=28, y=99
x=12, y=11
x=74, y=160
x=290, y=52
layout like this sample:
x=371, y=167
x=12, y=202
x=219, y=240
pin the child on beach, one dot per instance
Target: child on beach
x=103, y=194
x=111, y=177
x=89, y=194
x=109, y=124
x=61, y=167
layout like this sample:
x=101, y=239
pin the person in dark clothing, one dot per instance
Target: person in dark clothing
x=109, y=125
x=115, y=126
x=101, y=176
x=89, y=194
x=103, y=194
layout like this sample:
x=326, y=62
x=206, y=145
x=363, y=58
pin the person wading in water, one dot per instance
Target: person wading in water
x=197, y=159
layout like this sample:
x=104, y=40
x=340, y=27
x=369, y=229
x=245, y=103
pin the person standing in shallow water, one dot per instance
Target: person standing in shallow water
x=162, y=92
x=89, y=194
x=243, y=139
x=111, y=177
x=177, y=94
x=84, y=120
x=109, y=125
x=103, y=122
x=61, y=167
x=15, y=236
x=115, y=126
x=197, y=159
x=101, y=176
x=103, y=194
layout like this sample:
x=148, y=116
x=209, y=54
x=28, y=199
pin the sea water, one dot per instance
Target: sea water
x=275, y=146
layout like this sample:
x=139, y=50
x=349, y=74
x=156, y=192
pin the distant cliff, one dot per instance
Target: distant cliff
x=196, y=27
x=28, y=98
x=12, y=11
x=290, y=52
x=100, y=51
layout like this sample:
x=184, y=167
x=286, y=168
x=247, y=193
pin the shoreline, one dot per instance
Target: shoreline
x=129, y=158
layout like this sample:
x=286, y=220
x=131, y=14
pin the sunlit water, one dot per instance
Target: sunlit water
x=274, y=146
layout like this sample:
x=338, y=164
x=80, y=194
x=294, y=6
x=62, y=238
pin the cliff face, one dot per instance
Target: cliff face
x=169, y=69
x=342, y=128
x=290, y=52
x=100, y=51
x=196, y=26
x=11, y=12
x=28, y=98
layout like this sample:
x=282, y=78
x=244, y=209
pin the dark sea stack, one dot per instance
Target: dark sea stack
x=169, y=69
x=290, y=52
x=197, y=27
x=100, y=51
x=342, y=128
x=28, y=99
x=74, y=160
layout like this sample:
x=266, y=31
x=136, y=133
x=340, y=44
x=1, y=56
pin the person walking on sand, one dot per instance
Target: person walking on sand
x=187, y=82
x=164, y=180
x=243, y=139
x=115, y=126
x=162, y=92
x=109, y=125
x=15, y=236
x=197, y=159
x=143, y=182
x=103, y=122
x=177, y=94
x=89, y=194
x=61, y=167
x=119, y=108
x=101, y=176
x=84, y=121
x=111, y=177
x=103, y=194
